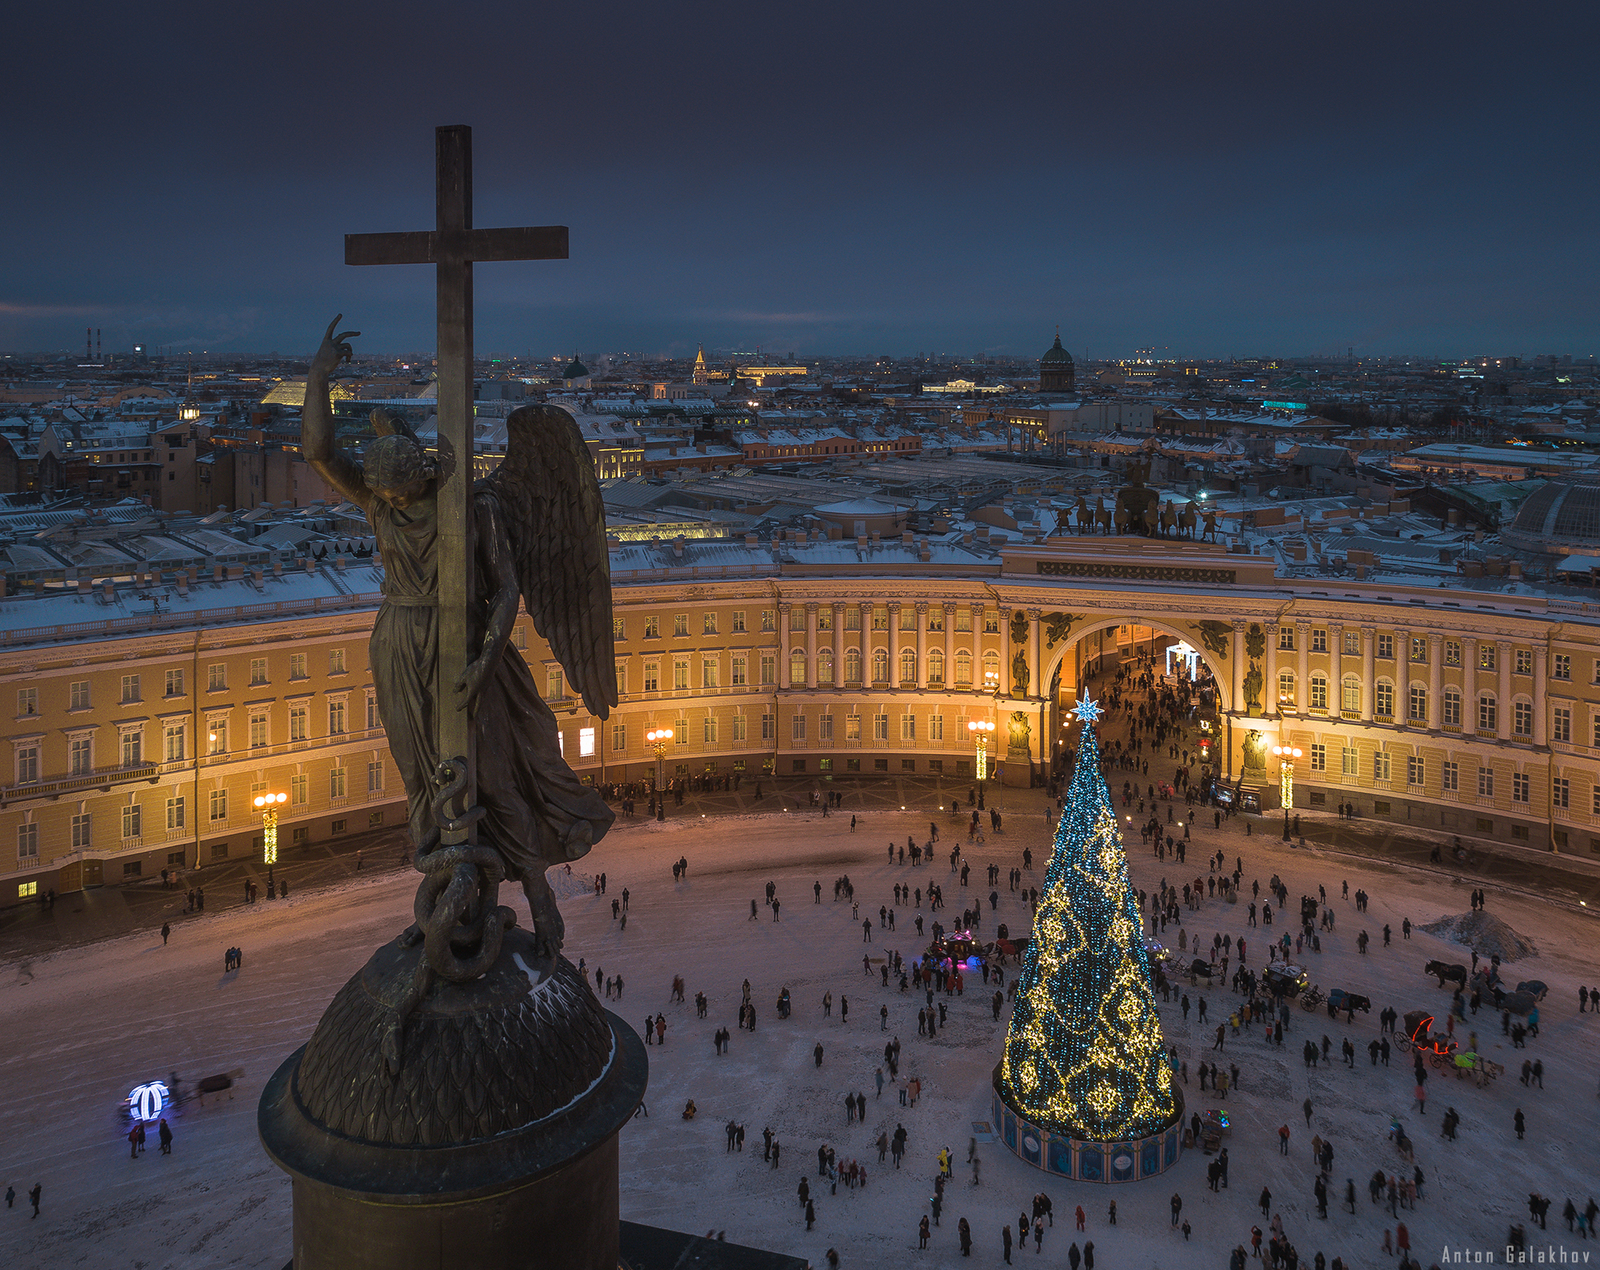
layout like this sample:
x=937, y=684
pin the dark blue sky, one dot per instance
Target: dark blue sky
x=1236, y=178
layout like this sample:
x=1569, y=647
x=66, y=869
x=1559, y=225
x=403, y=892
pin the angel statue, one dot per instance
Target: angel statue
x=539, y=536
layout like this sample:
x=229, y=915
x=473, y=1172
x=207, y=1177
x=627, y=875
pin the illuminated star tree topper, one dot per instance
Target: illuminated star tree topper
x=1084, y=1054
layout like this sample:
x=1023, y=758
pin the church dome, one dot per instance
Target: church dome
x=575, y=371
x=1561, y=517
x=1056, y=355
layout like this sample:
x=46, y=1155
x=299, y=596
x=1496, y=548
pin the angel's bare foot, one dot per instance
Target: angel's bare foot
x=548, y=926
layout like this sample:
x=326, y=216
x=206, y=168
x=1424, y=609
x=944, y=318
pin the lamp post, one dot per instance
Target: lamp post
x=1286, y=757
x=980, y=730
x=267, y=805
x=658, y=737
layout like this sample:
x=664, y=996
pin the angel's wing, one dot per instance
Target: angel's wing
x=556, y=524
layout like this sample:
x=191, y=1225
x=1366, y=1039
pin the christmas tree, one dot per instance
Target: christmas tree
x=1084, y=1054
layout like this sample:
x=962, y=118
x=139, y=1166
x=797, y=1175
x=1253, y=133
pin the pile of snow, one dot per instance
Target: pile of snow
x=1488, y=935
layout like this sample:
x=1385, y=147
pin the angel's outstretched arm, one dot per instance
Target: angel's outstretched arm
x=498, y=565
x=316, y=420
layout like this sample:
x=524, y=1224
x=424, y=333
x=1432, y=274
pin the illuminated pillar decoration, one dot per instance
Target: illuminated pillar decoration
x=1286, y=757
x=267, y=805
x=1084, y=1056
x=980, y=729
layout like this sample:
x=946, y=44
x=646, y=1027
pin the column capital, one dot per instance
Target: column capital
x=1368, y=633
x=839, y=606
x=812, y=606
x=1238, y=625
x=1035, y=614
x=950, y=607
x=1434, y=640
x=922, y=607
x=785, y=605
x=1504, y=645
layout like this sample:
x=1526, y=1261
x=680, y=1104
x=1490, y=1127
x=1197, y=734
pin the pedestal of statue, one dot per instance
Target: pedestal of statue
x=493, y=1146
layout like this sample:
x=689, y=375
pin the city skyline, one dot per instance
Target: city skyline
x=1240, y=184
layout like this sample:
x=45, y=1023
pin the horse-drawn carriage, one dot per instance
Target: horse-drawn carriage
x=1418, y=1034
x=1311, y=998
x=1285, y=979
x=1200, y=969
x=1481, y=1069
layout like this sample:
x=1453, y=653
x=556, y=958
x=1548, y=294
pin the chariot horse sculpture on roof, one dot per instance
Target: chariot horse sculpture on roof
x=539, y=537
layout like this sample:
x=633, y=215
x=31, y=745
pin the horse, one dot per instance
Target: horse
x=1120, y=519
x=1537, y=987
x=1085, y=520
x=1186, y=521
x=1103, y=519
x=1443, y=971
x=1211, y=526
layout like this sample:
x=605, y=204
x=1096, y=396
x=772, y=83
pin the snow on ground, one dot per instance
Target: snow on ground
x=84, y=1025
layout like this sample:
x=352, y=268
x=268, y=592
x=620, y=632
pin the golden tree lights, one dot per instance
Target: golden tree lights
x=1287, y=754
x=267, y=805
x=1084, y=1054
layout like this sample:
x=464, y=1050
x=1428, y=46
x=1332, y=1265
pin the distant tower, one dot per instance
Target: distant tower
x=700, y=365
x=1056, y=370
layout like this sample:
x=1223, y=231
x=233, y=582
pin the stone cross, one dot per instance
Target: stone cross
x=452, y=246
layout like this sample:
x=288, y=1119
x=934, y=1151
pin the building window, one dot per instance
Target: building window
x=132, y=747
x=173, y=738
x=1521, y=787
x=1350, y=695
x=174, y=813
x=174, y=683
x=738, y=622
x=1561, y=666
x=797, y=668
x=991, y=668
x=708, y=730
x=1452, y=708
x=963, y=669
x=1348, y=756
x=1561, y=792
x=769, y=670
x=1561, y=724
x=1319, y=757
x=1487, y=714
x=217, y=736
x=1485, y=656
x=652, y=627
x=619, y=738
x=1452, y=652
x=908, y=617
x=880, y=618
x=708, y=623
x=554, y=687
x=28, y=761
x=78, y=695
x=680, y=625
x=219, y=804
x=1319, y=639
x=1385, y=647
x=1319, y=692
x=1352, y=643
x=1286, y=688
x=936, y=619
x=769, y=621
x=297, y=666
x=963, y=620
x=740, y=727
x=299, y=723
x=1486, y=782
x=619, y=627
x=375, y=776
x=1524, y=661
x=217, y=677
x=336, y=661
x=680, y=731
x=825, y=618
x=374, y=819
x=908, y=665
x=585, y=742
x=258, y=671
x=1418, y=704
x=28, y=841
x=880, y=727
x=1286, y=638
x=880, y=665
x=797, y=727
x=852, y=727
x=373, y=721
x=852, y=665
x=852, y=618
x=825, y=667
x=82, y=832
x=1383, y=699
x=741, y=671
x=336, y=783
x=28, y=698
x=80, y=756
x=652, y=676
x=1522, y=718
x=708, y=672
x=130, y=688
x=936, y=668
x=797, y=620
x=1414, y=771
x=299, y=790
x=1449, y=777
x=908, y=727
x=991, y=622
x=1380, y=765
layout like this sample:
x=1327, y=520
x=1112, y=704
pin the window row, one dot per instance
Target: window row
x=651, y=624
x=131, y=689
x=706, y=672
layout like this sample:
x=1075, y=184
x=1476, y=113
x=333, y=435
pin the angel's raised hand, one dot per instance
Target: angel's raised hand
x=334, y=348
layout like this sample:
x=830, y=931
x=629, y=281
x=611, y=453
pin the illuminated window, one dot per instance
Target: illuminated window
x=680, y=624
x=585, y=742
x=1452, y=652
x=652, y=676
x=708, y=623
x=1352, y=643
x=652, y=627
x=825, y=618
x=852, y=727
x=936, y=619
x=880, y=618
x=1524, y=661
x=619, y=628
x=963, y=620
x=1286, y=688
x=738, y=622
x=1485, y=656
x=963, y=668
x=908, y=617
x=852, y=618
x=769, y=620
x=217, y=736
x=1350, y=694
x=991, y=622
x=708, y=672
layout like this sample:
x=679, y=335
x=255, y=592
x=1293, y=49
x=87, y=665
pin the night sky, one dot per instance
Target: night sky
x=1204, y=179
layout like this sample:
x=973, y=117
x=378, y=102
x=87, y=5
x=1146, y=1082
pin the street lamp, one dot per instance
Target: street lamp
x=658, y=737
x=1286, y=757
x=980, y=730
x=267, y=805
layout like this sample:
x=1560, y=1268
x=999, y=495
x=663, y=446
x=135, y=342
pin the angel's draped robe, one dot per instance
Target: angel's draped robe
x=538, y=812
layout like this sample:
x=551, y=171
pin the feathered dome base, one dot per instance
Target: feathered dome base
x=499, y=1132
